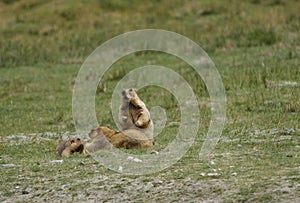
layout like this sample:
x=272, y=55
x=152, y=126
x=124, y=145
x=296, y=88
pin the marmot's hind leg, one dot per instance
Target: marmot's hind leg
x=130, y=138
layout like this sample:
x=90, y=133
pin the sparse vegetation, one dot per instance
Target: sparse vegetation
x=255, y=46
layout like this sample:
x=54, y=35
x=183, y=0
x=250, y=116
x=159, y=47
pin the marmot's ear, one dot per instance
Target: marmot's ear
x=99, y=130
x=72, y=141
x=135, y=90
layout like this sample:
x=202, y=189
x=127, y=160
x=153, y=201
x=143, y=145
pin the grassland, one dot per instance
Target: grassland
x=255, y=45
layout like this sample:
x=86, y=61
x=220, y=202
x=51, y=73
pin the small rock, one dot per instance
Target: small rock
x=8, y=165
x=120, y=169
x=212, y=163
x=21, y=137
x=130, y=158
x=212, y=174
x=57, y=161
x=234, y=174
x=25, y=192
x=137, y=160
x=81, y=163
x=239, y=145
x=154, y=152
x=202, y=174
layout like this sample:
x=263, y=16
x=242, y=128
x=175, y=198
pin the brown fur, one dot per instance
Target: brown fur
x=106, y=138
x=137, y=127
x=69, y=146
x=137, y=130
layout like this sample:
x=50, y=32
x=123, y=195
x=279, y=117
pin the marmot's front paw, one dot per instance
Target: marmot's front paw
x=124, y=118
x=139, y=123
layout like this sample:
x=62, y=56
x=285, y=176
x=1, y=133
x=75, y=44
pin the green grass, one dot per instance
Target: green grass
x=255, y=46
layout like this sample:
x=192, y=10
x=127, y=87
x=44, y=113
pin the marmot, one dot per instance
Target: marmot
x=137, y=130
x=69, y=146
x=137, y=127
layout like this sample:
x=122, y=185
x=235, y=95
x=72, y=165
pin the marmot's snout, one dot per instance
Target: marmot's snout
x=124, y=92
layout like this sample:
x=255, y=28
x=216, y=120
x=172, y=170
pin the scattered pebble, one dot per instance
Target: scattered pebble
x=239, y=145
x=130, y=158
x=137, y=160
x=57, y=161
x=212, y=163
x=209, y=174
x=285, y=137
x=25, y=192
x=120, y=169
x=23, y=137
x=271, y=84
x=8, y=165
x=234, y=174
x=49, y=134
x=212, y=174
x=154, y=152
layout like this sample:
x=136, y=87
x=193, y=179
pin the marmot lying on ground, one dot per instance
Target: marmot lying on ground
x=69, y=146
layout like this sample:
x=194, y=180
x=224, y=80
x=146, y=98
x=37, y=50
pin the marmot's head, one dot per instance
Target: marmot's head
x=94, y=132
x=129, y=94
x=72, y=144
x=75, y=144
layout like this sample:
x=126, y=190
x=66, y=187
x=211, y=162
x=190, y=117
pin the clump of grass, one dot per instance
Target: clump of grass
x=118, y=5
x=261, y=37
x=9, y=1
